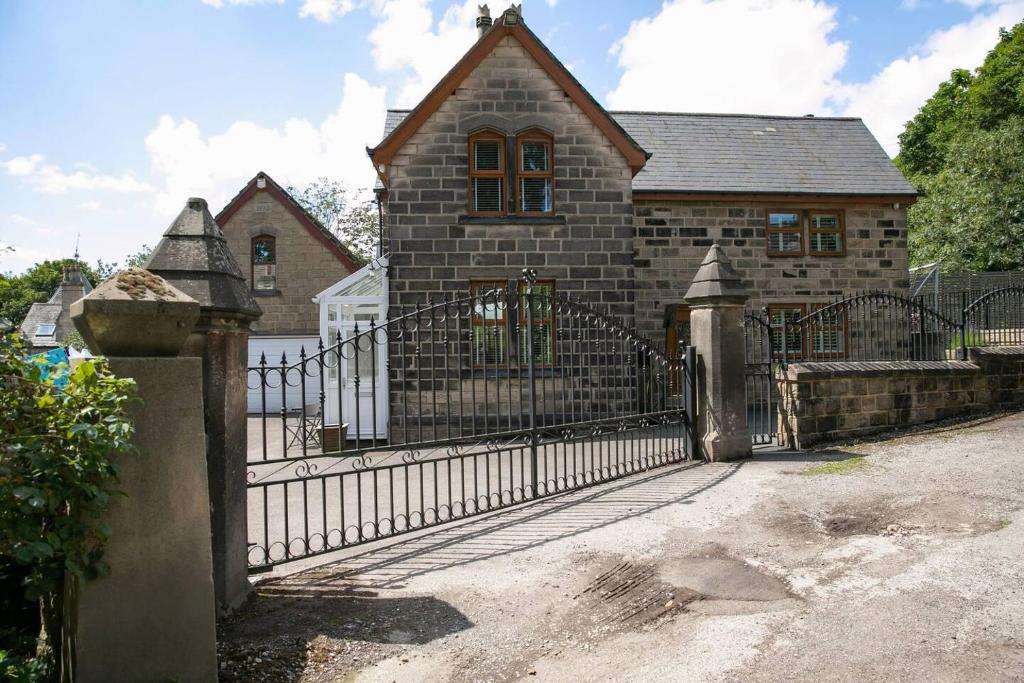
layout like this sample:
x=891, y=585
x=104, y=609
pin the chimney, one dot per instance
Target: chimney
x=483, y=22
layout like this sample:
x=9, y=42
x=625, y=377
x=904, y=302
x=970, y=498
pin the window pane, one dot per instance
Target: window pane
x=535, y=156
x=365, y=359
x=543, y=344
x=487, y=156
x=784, y=220
x=487, y=195
x=826, y=242
x=263, y=251
x=784, y=241
x=264, y=277
x=826, y=222
x=535, y=195
x=45, y=330
x=488, y=307
x=488, y=344
x=794, y=341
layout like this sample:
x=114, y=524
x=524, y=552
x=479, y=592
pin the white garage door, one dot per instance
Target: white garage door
x=273, y=347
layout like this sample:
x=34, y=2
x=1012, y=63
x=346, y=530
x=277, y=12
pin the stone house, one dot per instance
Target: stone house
x=288, y=257
x=510, y=163
x=47, y=324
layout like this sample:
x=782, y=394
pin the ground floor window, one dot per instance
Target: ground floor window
x=827, y=332
x=498, y=338
x=780, y=315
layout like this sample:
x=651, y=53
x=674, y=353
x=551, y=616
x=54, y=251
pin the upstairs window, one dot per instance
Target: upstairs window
x=264, y=263
x=827, y=234
x=785, y=232
x=487, y=176
x=536, y=174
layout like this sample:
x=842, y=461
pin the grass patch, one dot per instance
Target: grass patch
x=847, y=466
x=972, y=339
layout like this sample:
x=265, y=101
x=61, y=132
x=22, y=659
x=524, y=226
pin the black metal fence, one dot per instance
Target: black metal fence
x=508, y=394
x=882, y=326
x=762, y=396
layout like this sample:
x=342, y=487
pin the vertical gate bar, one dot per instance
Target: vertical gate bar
x=530, y=276
x=373, y=382
x=460, y=366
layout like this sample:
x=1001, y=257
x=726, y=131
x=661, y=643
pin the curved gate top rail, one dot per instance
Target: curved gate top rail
x=452, y=409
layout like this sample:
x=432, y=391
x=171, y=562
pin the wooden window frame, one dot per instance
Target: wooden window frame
x=253, y=262
x=502, y=174
x=534, y=135
x=550, y=319
x=476, y=287
x=812, y=231
x=769, y=231
x=803, y=342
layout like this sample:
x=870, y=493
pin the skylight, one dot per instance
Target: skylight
x=46, y=330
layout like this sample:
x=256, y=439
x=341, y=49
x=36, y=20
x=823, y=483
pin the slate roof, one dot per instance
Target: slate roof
x=50, y=313
x=741, y=153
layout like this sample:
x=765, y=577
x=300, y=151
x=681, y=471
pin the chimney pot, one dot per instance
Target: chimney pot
x=483, y=21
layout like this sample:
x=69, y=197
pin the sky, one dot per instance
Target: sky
x=113, y=114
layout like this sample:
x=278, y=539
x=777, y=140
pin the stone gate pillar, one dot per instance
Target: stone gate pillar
x=716, y=298
x=194, y=257
x=153, y=618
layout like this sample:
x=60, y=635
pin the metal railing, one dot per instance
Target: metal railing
x=483, y=401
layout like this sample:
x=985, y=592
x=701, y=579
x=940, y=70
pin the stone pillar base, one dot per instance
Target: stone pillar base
x=153, y=618
x=727, y=447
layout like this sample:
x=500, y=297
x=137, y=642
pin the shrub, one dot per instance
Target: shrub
x=56, y=478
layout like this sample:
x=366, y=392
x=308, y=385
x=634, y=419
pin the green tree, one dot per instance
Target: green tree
x=354, y=221
x=963, y=149
x=971, y=217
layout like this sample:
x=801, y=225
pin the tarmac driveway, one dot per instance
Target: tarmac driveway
x=892, y=560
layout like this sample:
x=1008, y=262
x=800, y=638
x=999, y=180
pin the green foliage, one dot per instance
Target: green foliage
x=73, y=340
x=973, y=339
x=963, y=150
x=972, y=215
x=352, y=220
x=56, y=471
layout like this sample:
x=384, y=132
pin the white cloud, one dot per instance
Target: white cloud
x=49, y=178
x=892, y=97
x=406, y=41
x=753, y=56
x=326, y=11
x=221, y=3
x=18, y=219
x=91, y=205
x=215, y=167
x=778, y=57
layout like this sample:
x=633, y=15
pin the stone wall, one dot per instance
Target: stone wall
x=587, y=247
x=673, y=236
x=305, y=266
x=826, y=402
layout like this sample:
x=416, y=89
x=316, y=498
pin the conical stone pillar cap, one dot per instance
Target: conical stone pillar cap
x=716, y=280
x=194, y=257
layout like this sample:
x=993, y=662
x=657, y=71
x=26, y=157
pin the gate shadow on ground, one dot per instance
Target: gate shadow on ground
x=390, y=565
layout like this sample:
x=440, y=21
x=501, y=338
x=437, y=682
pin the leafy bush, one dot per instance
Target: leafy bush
x=57, y=476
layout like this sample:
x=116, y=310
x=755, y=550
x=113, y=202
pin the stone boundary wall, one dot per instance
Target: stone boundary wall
x=827, y=402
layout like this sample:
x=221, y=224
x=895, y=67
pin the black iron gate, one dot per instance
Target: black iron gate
x=506, y=395
x=762, y=399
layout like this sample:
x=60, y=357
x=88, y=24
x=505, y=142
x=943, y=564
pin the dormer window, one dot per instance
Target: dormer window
x=264, y=263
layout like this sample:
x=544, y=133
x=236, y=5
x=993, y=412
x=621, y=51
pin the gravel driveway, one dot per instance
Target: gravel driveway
x=895, y=560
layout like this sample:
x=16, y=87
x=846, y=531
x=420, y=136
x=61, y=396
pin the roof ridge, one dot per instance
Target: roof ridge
x=734, y=115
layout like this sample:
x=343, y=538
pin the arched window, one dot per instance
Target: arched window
x=264, y=263
x=487, y=174
x=535, y=168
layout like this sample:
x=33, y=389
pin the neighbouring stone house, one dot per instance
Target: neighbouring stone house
x=288, y=257
x=46, y=325
x=508, y=162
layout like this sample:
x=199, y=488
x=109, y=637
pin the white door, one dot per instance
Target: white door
x=359, y=388
x=270, y=391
